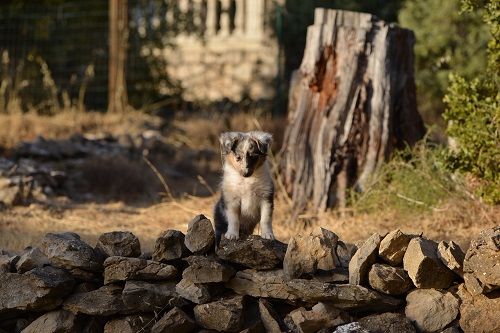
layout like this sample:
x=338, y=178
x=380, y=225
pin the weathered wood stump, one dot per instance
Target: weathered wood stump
x=352, y=102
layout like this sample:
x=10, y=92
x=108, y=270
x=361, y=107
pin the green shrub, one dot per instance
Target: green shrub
x=473, y=114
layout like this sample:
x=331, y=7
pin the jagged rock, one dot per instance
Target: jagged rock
x=66, y=250
x=123, y=269
x=345, y=251
x=335, y=316
x=225, y=315
x=307, y=253
x=475, y=286
x=148, y=297
x=130, y=324
x=5, y=266
x=302, y=321
x=170, y=246
x=393, y=247
x=40, y=289
x=269, y=317
x=452, y=256
x=176, y=321
x=353, y=327
x=31, y=259
x=364, y=257
x=253, y=251
x=479, y=313
x=200, y=236
x=431, y=310
x=119, y=243
x=389, y=280
x=272, y=284
x=105, y=301
x=207, y=270
x=424, y=267
x=59, y=321
x=337, y=275
x=194, y=292
x=483, y=257
x=387, y=323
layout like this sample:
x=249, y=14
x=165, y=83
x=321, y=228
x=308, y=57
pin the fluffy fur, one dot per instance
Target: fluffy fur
x=247, y=189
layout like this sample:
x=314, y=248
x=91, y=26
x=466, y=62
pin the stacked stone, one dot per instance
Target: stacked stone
x=396, y=283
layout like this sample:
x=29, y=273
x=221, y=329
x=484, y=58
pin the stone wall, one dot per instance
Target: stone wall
x=230, y=53
x=316, y=283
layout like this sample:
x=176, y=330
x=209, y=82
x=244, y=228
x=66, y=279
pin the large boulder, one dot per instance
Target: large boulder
x=59, y=321
x=224, y=315
x=170, y=246
x=431, y=310
x=67, y=250
x=41, y=289
x=119, y=243
x=362, y=260
x=123, y=269
x=207, y=270
x=176, y=321
x=142, y=296
x=200, y=236
x=253, y=251
x=483, y=257
x=105, y=301
x=307, y=253
x=387, y=323
x=424, y=267
x=393, y=247
x=479, y=313
x=389, y=280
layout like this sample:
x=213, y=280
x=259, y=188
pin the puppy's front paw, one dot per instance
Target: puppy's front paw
x=268, y=235
x=232, y=235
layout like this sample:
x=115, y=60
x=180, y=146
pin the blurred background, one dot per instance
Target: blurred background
x=110, y=113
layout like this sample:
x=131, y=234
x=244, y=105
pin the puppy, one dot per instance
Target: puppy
x=247, y=189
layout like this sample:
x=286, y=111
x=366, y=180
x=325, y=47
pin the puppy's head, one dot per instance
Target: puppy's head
x=245, y=152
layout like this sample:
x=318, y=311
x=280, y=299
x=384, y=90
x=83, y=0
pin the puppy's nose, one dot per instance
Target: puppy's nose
x=247, y=173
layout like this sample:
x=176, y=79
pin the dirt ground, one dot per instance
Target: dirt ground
x=21, y=226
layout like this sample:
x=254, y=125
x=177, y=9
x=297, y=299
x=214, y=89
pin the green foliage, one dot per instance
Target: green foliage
x=446, y=41
x=414, y=180
x=473, y=114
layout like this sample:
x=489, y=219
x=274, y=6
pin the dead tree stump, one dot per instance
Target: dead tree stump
x=352, y=102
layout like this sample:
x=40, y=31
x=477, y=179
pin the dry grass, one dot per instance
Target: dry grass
x=454, y=217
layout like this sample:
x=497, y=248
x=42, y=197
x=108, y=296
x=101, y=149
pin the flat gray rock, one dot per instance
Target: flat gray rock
x=119, y=243
x=362, y=260
x=176, y=321
x=105, y=301
x=389, y=280
x=431, y=310
x=424, y=267
x=200, y=236
x=393, y=247
x=67, y=250
x=59, y=321
x=307, y=253
x=123, y=269
x=253, y=251
x=207, y=270
x=225, y=315
x=170, y=246
x=41, y=289
x=142, y=296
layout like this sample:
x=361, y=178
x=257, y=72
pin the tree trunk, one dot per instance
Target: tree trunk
x=351, y=103
x=118, y=39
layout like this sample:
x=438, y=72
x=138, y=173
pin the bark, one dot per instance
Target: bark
x=352, y=102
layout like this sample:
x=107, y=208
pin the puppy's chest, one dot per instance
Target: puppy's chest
x=249, y=193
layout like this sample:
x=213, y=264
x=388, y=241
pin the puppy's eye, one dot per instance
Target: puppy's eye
x=238, y=158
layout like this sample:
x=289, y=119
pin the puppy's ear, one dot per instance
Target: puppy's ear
x=263, y=139
x=229, y=141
